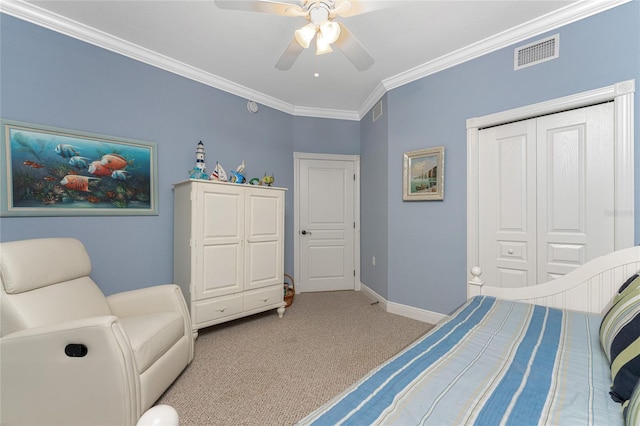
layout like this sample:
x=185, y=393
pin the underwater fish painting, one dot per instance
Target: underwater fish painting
x=65, y=150
x=79, y=162
x=58, y=172
x=24, y=144
x=119, y=175
x=96, y=168
x=33, y=164
x=77, y=182
x=115, y=161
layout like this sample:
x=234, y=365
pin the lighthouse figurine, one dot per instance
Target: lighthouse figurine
x=200, y=157
x=198, y=172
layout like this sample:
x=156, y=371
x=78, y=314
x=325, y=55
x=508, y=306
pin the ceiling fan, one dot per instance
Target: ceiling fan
x=320, y=15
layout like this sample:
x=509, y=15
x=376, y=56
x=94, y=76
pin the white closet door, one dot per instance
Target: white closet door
x=508, y=204
x=546, y=188
x=575, y=189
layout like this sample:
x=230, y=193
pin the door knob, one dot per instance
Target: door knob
x=304, y=232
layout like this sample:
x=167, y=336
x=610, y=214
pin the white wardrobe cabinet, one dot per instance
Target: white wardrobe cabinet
x=229, y=249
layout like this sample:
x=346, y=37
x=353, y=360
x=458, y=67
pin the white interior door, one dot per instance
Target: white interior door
x=575, y=189
x=326, y=225
x=545, y=187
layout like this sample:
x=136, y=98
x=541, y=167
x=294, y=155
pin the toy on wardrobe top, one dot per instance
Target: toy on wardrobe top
x=219, y=174
x=198, y=172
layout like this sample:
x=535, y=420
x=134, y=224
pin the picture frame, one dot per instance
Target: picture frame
x=49, y=171
x=423, y=175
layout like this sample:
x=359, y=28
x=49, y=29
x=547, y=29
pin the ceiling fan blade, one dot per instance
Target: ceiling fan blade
x=347, y=8
x=262, y=6
x=353, y=50
x=289, y=56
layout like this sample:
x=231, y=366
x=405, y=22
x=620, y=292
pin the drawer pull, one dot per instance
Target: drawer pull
x=223, y=309
x=510, y=251
x=264, y=300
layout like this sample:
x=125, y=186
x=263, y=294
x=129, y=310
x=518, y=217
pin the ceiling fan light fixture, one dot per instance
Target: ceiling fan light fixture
x=330, y=31
x=322, y=46
x=305, y=34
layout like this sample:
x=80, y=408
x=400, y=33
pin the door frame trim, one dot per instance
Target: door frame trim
x=622, y=94
x=297, y=156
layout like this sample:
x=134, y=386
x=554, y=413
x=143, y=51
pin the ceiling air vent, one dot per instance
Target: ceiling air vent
x=537, y=52
x=377, y=111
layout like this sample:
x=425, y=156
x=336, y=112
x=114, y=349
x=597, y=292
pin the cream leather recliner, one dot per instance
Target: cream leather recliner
x=71, y=356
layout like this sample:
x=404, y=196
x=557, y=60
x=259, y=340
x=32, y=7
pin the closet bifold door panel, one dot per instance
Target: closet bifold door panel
x=507, y=194
x=546, y=193
x=576, y=181
x=229, y=249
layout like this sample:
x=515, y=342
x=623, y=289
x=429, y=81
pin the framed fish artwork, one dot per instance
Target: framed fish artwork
x=423, y=175
x=49, y=171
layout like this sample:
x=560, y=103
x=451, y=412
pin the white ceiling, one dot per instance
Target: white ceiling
x=236, y=51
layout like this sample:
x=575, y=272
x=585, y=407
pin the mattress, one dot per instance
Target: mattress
x=492, y=362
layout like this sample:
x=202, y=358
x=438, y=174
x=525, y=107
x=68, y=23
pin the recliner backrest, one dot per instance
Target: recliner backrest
x=46, y=281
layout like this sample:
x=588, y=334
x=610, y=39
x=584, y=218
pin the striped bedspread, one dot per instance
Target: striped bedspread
x=492, y=362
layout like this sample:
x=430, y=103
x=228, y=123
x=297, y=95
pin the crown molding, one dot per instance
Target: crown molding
x=371, y=100
x=74, y=29
x=326, y=113
x=571, y=13
x=41, y=17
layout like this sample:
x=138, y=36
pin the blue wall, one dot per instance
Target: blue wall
x=420, y=247
x=51, y=79
x=374, y=200
x=427, y=240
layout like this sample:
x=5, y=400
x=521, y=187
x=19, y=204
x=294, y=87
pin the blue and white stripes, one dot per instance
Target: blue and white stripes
x=493, y=362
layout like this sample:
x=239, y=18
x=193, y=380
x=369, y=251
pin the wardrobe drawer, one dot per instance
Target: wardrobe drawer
x=208, y=310
x=263, y=297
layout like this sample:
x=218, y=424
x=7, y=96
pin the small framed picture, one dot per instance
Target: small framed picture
x=423, y=175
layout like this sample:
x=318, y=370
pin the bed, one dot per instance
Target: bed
x=558, y=353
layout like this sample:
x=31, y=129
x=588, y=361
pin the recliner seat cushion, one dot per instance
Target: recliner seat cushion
x=152, y=335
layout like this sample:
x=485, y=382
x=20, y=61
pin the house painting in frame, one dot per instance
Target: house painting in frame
x=55, y=172
x=423, y=175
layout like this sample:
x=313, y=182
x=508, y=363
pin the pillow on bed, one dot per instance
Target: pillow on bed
x=631, y=408
x=629, y=285
x=620, y=339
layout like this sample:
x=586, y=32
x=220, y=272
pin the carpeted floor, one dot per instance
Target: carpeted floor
x=262, y=370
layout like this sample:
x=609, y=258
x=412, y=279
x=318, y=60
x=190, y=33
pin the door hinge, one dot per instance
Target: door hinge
x=354, y=272
x=354, y=225
x=354, y=176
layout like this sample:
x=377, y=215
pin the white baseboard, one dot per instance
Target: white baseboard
x=404, y=310
x=375, y=296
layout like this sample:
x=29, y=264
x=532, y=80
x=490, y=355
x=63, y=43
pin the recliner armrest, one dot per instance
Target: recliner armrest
x=149, y=300
x=69, y=326
x=100, y=387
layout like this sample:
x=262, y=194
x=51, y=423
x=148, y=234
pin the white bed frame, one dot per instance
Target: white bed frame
x=589, y=288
